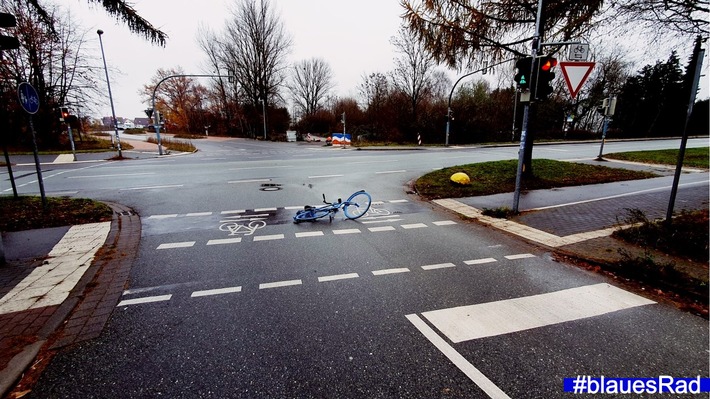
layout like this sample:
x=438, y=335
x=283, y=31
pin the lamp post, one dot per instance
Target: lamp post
x=110, y=97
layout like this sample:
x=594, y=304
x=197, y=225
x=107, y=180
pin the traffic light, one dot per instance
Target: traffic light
x=544, y=66
x=8, y=42
x=64, y=114
x=523, y=67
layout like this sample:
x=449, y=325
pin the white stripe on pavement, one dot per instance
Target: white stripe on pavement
x=479, y=261
x=390, y=271
x=149, y=299
x=219, y=291
x=439, y=266
x=489, y=319
x=278, y=284
x=459, y=361
x=224, y=241
x=172, y=245
x=338, y=277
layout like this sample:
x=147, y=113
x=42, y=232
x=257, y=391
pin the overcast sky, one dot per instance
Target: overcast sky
x=353, y=37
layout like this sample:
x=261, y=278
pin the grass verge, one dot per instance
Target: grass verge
x=174, y=145
x=499, y=177
x=26, y=213
x=694, y=157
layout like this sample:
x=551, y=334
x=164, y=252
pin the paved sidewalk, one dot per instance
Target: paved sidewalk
x=64, y=295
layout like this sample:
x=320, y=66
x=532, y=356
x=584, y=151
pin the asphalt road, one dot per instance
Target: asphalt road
x=408, y=302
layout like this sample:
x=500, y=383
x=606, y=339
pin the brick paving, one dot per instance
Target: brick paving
x=82, y=315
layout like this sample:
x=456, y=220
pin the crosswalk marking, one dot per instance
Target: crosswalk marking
x=269, y=237
x=346, y=231
x=519, y=256
x=414, y=226
x=439, y=266
x=465, y=323
x=149, y=299
x=381, y=228
x=309, y=234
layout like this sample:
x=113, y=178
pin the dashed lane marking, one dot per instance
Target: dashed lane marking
x=338, y=277
x=269, y=237
x=286, y=283
x=173, y=245
x=309, y=234
x=346, y=231
x=414, y=226
x=383, y=272
x=149, y=299
x=479, y=261
x=439, y=266
x=302, y=234
x=381, y=228
x=279, y=284
x=519, y=256
x=219, y=291
x=225, y=241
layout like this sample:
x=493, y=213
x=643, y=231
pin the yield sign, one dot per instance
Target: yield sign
x=576, y=73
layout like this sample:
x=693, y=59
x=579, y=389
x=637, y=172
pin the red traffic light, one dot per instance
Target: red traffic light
x=548, y=63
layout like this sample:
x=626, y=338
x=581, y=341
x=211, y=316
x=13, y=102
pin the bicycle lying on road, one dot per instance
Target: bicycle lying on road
x=354, y=207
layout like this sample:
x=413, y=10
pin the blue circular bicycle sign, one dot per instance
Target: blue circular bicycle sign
x=28, y=97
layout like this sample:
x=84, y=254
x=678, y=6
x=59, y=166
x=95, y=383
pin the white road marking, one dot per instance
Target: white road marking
x=414, y=226
x=149, y=299
x=479, y=261
x=338, y=277
x=293, y=208
x=249, y=181
x=466, y=323
x=346, y=231
x=381, y=228
x=519, y=256
x=234, y=211
x=199, y=214
x=150, y=187
x=398, y=201
x=269, y=238
x=309, y=234
x=445, y=223
x=104, y=176
x=174, y=215
x=390, y=271
x=278, y=284
x=219, y=291
x=186, y=244
x=372, y=220
x=439, y=266
x=225, y=241
x=459, y=361
x=386, y=172
x=323, y=176
x=265, y=210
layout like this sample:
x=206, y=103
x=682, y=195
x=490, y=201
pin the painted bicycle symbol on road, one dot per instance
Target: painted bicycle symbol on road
x=245, y=225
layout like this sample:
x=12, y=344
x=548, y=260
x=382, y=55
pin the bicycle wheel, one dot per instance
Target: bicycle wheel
x=309, y=215
x=357, y=205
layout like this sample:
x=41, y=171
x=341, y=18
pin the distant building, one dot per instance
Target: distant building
x=141, y=122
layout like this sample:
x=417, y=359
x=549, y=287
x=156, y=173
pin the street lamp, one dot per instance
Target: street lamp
x=110, y=97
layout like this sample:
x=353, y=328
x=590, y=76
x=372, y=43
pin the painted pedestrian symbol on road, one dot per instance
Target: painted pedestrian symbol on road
x=29, y=99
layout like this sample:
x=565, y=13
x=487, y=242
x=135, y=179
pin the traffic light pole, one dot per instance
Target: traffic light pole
x=156, y=115
x=536, y=46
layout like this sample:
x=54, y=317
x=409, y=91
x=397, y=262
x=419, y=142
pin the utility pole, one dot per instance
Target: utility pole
x=536, y=46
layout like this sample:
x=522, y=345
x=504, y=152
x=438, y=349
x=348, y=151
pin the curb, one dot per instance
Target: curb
x=83, y=315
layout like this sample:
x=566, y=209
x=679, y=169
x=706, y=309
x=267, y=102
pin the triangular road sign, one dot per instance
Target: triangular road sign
x=576, y=73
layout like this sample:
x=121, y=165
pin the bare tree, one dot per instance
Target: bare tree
x=177, y=98
x=54, y=63
x=413, y=72
x=474, y=32
x=311, y=82
x=255, y=50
